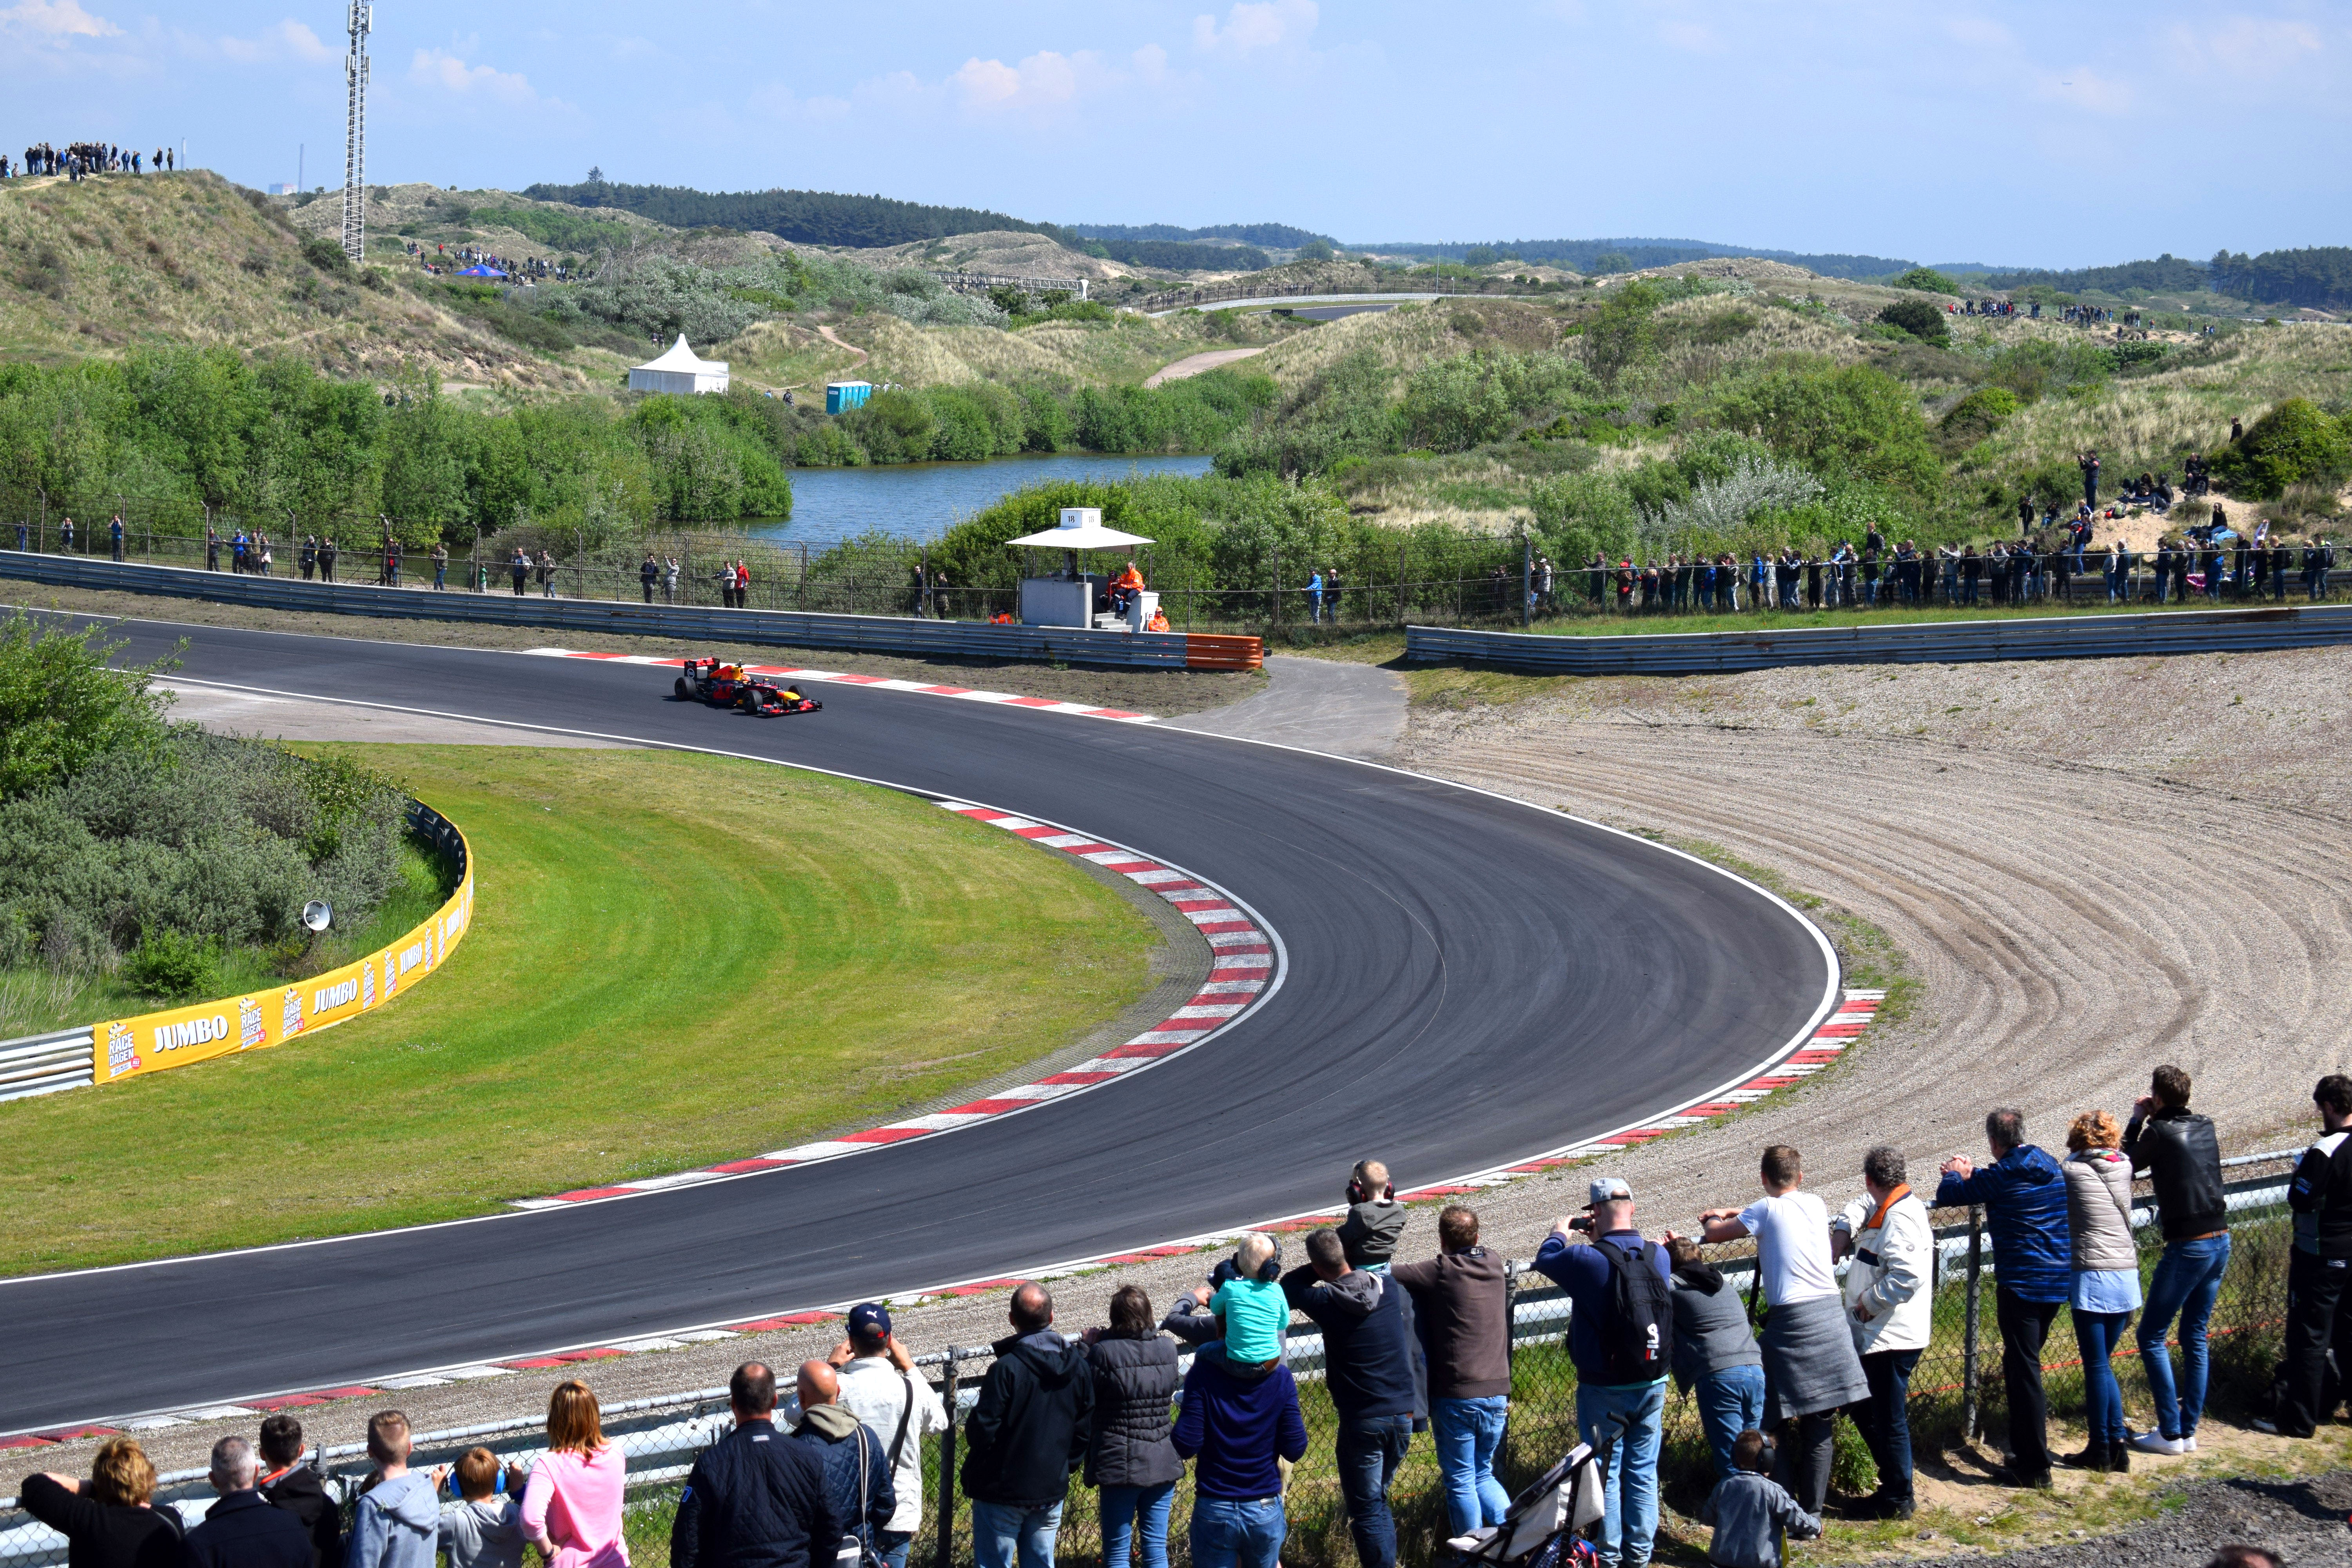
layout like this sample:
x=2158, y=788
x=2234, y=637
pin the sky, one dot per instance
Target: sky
x=2037, y=134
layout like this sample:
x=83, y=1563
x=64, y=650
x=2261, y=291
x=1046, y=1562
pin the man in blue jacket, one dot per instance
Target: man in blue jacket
x=1236, y=1421
x=1378, y=1383
x=756, y=1499
x=2025, y=1196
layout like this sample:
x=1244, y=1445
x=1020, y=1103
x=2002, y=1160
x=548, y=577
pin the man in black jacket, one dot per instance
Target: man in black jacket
x=1026, y=1435
x=242, y=1531
x=2316, y=1302
x=2169, y=1142
x=856, y=1467
x=289, y=1484
x=1378, y=1386
x=756, y=1499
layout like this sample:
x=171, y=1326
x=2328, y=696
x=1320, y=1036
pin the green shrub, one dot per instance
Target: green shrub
x=1838, y=421
x=1622, y=334
x=1926, y=280
x=2294, y=443
x=1975, y=417
x=1919, y=318
x=61, y=708
x=326, y=255
x=171, y=967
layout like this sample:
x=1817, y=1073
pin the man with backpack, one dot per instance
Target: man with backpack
x=1620, y=1335
x=858, y=1473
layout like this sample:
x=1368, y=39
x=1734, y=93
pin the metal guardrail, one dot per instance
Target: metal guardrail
x=906, y=636
x=44, y=1064
x=2120, y=636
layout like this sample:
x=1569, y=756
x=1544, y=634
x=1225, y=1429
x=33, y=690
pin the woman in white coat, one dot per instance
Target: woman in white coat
x=1890, y=1308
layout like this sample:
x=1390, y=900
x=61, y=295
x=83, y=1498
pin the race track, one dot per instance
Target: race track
x=1468, y=981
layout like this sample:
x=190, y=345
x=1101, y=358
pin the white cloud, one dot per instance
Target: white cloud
x=2083, y=88
x=1042, y=83
x=55, y=21
x=437, y=68
x=290, y=39
x=1254, y=24
x=2246, y=46
x=779, y=102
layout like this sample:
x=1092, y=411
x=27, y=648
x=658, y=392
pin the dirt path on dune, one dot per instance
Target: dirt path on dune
x=1196, y=363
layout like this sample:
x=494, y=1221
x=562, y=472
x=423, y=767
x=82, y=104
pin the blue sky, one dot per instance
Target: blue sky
x=2050, y=134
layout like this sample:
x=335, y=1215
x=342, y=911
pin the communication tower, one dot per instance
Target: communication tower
x=355, y=76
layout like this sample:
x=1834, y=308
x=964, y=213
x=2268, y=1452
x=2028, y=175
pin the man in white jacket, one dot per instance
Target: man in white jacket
x=1891, y=1308
x=880, y=1387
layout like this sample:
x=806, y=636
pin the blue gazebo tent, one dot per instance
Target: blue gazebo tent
x=484, y=270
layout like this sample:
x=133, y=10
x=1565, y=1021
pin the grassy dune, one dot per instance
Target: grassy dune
x=675, y=959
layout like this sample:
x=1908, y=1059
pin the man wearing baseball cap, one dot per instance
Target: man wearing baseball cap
x=1622, y=1353
x=879, y=1386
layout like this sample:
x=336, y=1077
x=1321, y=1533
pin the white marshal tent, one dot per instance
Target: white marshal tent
x=678, y=371
x=1067, y=597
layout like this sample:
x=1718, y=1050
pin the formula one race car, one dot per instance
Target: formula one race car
x=724, y=684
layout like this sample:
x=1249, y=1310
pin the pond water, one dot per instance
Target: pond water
x=921, y=500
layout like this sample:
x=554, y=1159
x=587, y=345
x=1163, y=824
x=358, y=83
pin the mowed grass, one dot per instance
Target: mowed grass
x=675, y=959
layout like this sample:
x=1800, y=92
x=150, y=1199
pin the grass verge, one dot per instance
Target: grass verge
x=675, y=959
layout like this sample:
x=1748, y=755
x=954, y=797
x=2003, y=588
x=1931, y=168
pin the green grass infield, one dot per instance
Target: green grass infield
x=675, y=959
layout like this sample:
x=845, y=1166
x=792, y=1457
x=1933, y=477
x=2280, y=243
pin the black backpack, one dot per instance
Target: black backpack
x=1638, y=1340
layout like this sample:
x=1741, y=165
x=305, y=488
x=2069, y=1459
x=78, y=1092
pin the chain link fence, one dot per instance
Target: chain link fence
x=1955, y=1393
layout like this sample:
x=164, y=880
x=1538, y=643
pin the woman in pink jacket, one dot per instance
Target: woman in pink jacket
x=572, y=1508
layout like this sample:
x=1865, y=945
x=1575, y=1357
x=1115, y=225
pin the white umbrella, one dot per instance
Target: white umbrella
x=1082, y=528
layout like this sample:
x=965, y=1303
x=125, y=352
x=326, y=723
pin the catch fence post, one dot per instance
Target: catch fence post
x=945, y=1557
x=1970, y=1340
x=1526, y=582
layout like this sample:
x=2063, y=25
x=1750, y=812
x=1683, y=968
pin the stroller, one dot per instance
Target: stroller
x=1541, y=1530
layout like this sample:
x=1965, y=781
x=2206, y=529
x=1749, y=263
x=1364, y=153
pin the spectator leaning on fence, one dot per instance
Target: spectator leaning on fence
x=1621, y=1339
x=396, y=1524
x=1027, y=1433
x=857, y=1480
x=288, y=1483
x=1131, y=1456
x=879, y=1386
x=1891, y=1311
x=1191, y=1317
x=1715, y=1356
x=2106, y=1278
x=107, y=1520
x=481, y=1529
x=1240, y=1423
x=2317, y=1305
x=755, y=1498
x=1373, y=1371
x=1752, y=1514
x=2024, y=1197
x=241, y=1530
x=2181, y=1153
x=1462, y=1306
x=1811, y=1369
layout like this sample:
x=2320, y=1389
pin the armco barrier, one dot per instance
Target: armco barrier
x=179, y=1036
x=911, y=637
x=1932, y=642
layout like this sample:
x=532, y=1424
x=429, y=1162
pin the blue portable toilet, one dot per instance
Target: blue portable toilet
x=841, y=396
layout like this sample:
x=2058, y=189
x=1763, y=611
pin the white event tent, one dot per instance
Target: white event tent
x=678, y=371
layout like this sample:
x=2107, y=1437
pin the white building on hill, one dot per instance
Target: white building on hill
x=678, y=371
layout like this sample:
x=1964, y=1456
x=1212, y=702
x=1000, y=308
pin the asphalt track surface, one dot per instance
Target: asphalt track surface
x=1469, y=981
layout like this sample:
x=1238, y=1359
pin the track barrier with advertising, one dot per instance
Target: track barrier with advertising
x=177, y=1037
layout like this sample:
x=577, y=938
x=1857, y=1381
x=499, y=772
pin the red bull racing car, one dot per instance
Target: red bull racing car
x=724, y=684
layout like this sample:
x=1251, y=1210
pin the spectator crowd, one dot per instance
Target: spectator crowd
x=1408, y=1348
x=80, y=158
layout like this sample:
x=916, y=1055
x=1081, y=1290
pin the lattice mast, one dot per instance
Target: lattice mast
x=355, y=76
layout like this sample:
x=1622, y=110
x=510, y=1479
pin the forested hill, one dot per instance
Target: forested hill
x=2320, y=277
x=806, y=217
x=2168, y=273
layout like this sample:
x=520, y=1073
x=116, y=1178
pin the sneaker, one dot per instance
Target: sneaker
x=2154, y=1442
x=2269, y=1427
x=2189, y=1442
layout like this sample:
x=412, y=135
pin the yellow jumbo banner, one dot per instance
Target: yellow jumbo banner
x=180, y=1035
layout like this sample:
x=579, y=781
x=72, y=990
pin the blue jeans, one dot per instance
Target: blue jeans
x=1228, y=1532
x=1000, y=1531
x=891, y=1545
x=1888, y=1429
x=1729, y=1402
x=1469, y=1431
x=1121, y=1508
x=1633, y=1418
x=2100, y=1336
x=2188, y=1277
x=1370, y=1449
